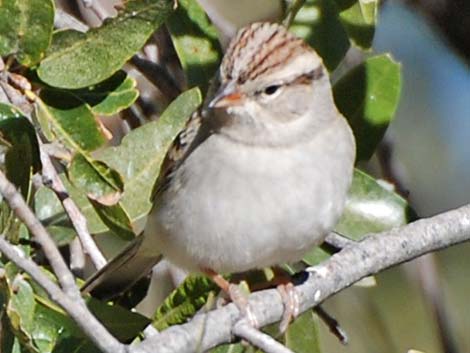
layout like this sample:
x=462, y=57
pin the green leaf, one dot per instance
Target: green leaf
x=63, y=38
x=184, y=301
x=344, y=4
x=122, y=323
x=137, y=161
x=22, y=156
x=319, y=25
x=88, y=60
x=368, y=97
x=372, y=207
x=103, y=187
x=196, y=43
x=100, y=182
x=7, y=338
x=62, y=236
x=302, y=334
x=49, y=210
x=110, y=96
x=26, y=29
x=72, y=122
x=141, y=153
x=21, y=160
x=359, y=21
x=68, y=119
x=116, y=219
x=20, y=305
x=315, y=256
x=42, y=326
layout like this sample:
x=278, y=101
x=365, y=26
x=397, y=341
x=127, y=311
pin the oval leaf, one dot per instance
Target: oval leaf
x=104, y=50
x=372, y=208
x=184, y=301
x=141, y=153
x=22, y=156
x=70, y=120
x=95, y=178
x=359, y=21
x=317, y=23
x=110, y=96
x=302, y=335
x=196, y=43
x=51, y=213
x=26, y=29
x=368, y=97
x=115, y=218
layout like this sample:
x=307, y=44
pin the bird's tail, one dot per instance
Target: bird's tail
x=123, y=271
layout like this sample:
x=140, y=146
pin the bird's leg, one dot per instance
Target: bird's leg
x=235, y=294
x=290, y=299
x=282, y=280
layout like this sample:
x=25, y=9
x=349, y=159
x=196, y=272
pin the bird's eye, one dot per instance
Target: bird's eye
x=270, y=90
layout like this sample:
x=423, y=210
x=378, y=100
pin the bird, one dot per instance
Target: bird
x=260, y=174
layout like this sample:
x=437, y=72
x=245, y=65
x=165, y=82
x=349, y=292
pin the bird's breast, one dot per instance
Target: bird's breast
x=234, y=207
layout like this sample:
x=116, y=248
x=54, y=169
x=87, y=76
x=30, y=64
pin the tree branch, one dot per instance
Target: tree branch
x=78, y=220
x=259, y=339
x=24, y=213
x=75, y=308
x=373, y=254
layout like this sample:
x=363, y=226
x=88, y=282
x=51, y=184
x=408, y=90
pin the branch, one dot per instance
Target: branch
x=78, y=220
x=259, y=339
x=24, y=213
x=75, y=308
x=373, y=254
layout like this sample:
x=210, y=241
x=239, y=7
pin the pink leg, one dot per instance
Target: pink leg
x=290, y=298
x=235, y=294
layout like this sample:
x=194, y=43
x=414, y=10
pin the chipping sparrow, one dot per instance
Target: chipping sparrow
x=257, y=179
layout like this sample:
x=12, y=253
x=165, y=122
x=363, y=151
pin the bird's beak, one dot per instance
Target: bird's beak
x=226, y=96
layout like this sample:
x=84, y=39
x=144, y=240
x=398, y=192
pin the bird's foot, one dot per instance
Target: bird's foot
x=290, y=299
x=240, y=299
x=236, y=295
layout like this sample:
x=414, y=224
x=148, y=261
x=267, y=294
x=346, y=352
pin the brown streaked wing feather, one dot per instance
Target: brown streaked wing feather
x=177, y=152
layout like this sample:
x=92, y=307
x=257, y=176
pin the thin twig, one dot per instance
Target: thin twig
x=77, y=257
x=75, y=308
x=259, y=339
x=292, y=11
x=332, y=324
x=158, y=75
x=388, y=167
x=338, y=241
x=79, y=222
x=24, y=213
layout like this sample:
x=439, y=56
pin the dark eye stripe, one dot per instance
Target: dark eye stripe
x=304, y=79
x=308, y=77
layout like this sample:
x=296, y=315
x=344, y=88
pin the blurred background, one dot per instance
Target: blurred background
x=422, y=305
